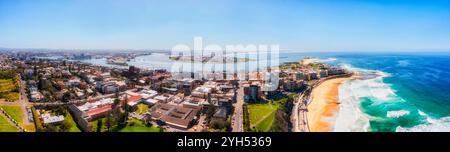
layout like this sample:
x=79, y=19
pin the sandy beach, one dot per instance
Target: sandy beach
x=324, y=106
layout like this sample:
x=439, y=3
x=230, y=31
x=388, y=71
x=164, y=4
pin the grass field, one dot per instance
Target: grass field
x=266, y=123
x=7, y=90
x=11, y=96
x=262, y=115
x=7, y=85
x=74, y=127
x=6, y=126
x=138, y=126
x=15, y=112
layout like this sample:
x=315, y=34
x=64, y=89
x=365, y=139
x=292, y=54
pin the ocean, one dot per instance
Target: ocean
x=412, y=92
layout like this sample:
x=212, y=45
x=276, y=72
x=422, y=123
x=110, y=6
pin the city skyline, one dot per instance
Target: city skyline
x=294, y=25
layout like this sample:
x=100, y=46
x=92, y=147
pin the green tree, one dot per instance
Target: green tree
x=124, y=103
x=210, y=111
x=65, y=126
x=108, y=122
x=50, y=128
x=99, y=125
x=117, y=94
x=123, y=117
x=116, y=102
x=60, y=110
x=66, y=96
x=219, y=124
x=35, y=73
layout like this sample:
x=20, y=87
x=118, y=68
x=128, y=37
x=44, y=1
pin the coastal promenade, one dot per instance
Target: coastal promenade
x=299, y=117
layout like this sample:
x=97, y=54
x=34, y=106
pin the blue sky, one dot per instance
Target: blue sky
x=298, y=25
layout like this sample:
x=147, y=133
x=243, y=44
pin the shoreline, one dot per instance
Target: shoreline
x=324, y=105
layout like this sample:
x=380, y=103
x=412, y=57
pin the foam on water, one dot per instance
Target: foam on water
x=396, y=114
x=422, y=113
x=326, y=60
x=351, y=116
x=350, y=67
x=432, y=125
x=318, y=60
x=375, y=88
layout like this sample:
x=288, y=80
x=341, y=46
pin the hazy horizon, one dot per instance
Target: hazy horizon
x=282, y=51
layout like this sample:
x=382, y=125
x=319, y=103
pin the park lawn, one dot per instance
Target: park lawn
x=138, y=127
x=74, y=127
x=11, y=96
x=142, y=108
x=262, y=116
x=94, y=125
x=15, y=112
x=6, y=126
x=7, y=88
x=2, y=81
x=266, y=124
x=104, y=128
x=7, y=85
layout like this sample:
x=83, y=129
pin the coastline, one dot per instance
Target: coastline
x=324, y=105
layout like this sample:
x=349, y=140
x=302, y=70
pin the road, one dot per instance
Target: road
x=237, y=120
x=22, y=103
x=299, y=113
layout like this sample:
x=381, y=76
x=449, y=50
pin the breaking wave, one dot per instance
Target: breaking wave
x=326, y=60
x=370, y=101
x=432, y=125
x=350, y=118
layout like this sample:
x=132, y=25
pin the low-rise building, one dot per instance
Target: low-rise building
x=313, y=75
x=323, y=73
x=134, y=100
x=36, y=96
x=49, y=119
x=93, y=110
x=335, y=71
x=174, y=116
